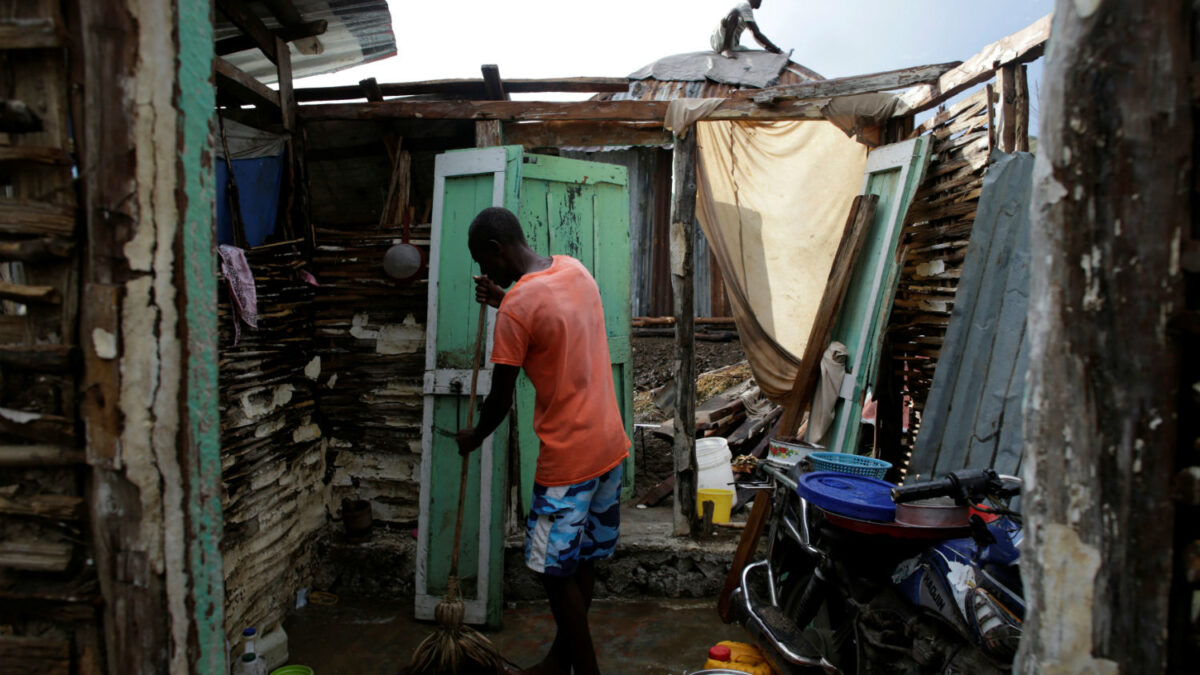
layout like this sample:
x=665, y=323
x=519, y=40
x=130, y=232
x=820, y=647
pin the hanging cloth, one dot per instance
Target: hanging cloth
x=772, y=199
x=243, y=296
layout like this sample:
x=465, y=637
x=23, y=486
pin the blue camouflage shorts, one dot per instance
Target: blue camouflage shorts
x=570, y=524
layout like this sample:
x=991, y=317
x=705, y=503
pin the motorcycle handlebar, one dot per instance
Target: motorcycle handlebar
x=965, y=485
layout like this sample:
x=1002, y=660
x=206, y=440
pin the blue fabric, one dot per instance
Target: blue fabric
x=570, y=524
x=258, y=181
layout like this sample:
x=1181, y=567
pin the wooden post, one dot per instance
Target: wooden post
x=991, y=118
x=487, y=133
x=150, y=337
x=1022, y=108
x=683, y=219
x=1112, y=200
x=1007, y=77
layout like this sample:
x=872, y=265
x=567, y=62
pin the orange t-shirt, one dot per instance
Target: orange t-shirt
x=551, y=324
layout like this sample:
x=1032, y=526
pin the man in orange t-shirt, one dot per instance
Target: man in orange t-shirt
x=551, y=323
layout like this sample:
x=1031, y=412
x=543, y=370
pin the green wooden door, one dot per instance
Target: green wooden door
x=581, y=209
x=893, y=173
x=466, y=182
x=565, y=206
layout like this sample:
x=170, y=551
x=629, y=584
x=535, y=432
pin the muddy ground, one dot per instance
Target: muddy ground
x=653, y=363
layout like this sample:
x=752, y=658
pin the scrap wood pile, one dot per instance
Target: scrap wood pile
x=936, y=232
x=730, y=406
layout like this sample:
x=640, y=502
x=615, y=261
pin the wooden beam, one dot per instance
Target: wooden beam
x=35, y=250
x=493, y=86
x=38, y=358
x=284, y=11
x=845, y=86
x=23, y=216
x=242, y=43
x=683, y=223
x=26, y=294
x=1020, y=47
x=559, y=134
x=287, y=96
x=244, y=87
x=33, y=154
x=239, y=12
x=42, y=33
x=543, y=111
x=18, y=118
x=39, y=455
x=862, y=211
x=468, y=88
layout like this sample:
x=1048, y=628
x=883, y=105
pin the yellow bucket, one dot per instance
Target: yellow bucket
x=722, y=503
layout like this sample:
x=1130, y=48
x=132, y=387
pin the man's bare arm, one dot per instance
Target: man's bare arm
x=762, y=39
x=495, y=407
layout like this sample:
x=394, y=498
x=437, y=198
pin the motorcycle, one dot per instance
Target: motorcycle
x=847, y=588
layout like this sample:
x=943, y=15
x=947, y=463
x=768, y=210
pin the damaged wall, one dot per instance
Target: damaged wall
x=272, y=445
x=370, y=333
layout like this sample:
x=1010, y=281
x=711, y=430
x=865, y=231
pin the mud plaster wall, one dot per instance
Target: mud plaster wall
x=370, y=334
x=272, y=446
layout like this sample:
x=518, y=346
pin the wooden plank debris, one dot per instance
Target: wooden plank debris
x=57, y=507
x=844, y=86
x=39, y=33
x=27, y=294
x=23, y=216
x=37, y=656
x=35, y=556
x=39, y=455
x=35, y=250
x=35, y=154
x=1021, y=47
x=44, y=358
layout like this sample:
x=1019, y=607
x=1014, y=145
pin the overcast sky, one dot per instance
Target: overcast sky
x=612, y=38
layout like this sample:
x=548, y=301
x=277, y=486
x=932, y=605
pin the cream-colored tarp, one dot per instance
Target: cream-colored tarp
x=772, y=199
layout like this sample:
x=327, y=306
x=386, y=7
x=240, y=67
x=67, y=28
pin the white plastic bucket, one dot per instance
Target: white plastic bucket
x=713, y=464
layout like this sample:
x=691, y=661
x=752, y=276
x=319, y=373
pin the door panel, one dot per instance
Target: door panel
x=465, y=183
x=581, y=209
x=893, y=173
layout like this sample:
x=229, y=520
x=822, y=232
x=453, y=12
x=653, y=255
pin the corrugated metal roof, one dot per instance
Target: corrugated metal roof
x=709, y=75
x=359, y=31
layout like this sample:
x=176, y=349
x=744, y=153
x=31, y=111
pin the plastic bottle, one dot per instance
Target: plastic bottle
x=737, y=656
x=249, y=662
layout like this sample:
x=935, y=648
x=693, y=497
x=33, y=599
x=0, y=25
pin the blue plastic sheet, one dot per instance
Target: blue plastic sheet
x=258, y=184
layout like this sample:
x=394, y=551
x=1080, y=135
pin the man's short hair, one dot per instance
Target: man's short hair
x=496, y=223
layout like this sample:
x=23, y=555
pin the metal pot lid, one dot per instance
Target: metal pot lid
x=849, y=495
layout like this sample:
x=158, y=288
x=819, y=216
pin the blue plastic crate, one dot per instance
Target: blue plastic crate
x=847, y=463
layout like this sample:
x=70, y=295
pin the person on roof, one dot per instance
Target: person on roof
x=726, y=39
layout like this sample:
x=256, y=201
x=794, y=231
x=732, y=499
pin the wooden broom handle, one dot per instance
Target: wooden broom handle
x=462, y=481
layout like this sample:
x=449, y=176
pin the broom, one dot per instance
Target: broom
x=455, y=647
